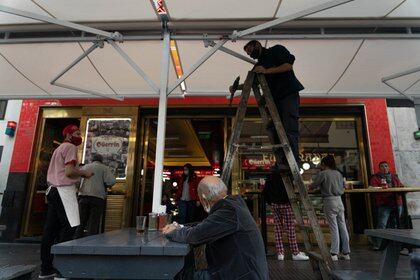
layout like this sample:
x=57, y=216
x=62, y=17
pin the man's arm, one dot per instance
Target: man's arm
x=285, y=67
x=73, y=172
x=221, y=223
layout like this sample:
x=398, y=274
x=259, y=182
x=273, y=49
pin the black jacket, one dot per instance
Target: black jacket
x=234, y=246
x=274, y=190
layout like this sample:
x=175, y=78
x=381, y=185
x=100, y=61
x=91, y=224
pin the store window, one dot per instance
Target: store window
x=3, y=106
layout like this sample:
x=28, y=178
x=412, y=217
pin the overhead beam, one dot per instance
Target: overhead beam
x=9, y=10
x=134, y=65
x=229, y=51
x=386, y=80
x=278, y=21
x=88, y=91
x=196, y=65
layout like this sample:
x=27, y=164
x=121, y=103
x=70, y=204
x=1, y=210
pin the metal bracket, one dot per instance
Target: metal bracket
x=386, y=80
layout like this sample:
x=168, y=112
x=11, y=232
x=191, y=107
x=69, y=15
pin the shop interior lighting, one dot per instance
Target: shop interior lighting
x=174, y=184
x=316, y=160
x=306, y=166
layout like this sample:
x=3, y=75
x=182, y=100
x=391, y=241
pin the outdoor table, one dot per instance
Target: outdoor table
x=120, y=254
x=374, y=190
x=394, y=239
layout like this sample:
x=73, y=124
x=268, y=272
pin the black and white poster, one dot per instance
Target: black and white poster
x=110, y=138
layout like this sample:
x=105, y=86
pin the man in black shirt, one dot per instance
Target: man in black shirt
x=276, y=63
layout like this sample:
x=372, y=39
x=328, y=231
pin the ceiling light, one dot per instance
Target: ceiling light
x=316, y=160
x=174, y=184
x=306, y=166
x=301, y=171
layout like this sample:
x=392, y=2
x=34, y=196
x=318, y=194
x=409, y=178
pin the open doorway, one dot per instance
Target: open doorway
x=199, y=142
x=50, y=137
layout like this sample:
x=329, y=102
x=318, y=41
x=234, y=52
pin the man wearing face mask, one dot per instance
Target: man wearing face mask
x=63, y=212
x=276, y=63
x=234, y=246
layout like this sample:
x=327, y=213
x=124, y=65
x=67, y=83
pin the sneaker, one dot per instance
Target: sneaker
x=280, y=257
x=346, y=257
x=300, y=257
x=334, y=257
x=47, y=274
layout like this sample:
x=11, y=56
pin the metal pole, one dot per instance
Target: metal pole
x=110, y=96
x=229, y=51
x=161, y=128
x=114, y=36
x=85, y=54
x=400, y=74
x=196, y=65
x=397, y=90
x=134, y=66
x=291, y=17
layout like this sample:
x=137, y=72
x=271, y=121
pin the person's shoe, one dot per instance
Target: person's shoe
x=346, y=257
x=334, y=257
x=280, y=257
x=50, y=273
x=300, y=257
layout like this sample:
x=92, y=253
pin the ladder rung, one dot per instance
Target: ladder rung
x=263, y=147
x=306, y=227
x=315, y=255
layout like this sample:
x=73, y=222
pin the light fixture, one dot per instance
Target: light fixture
x=306, y=166
x=316, y=160
x=301, y=171
x=174, y=184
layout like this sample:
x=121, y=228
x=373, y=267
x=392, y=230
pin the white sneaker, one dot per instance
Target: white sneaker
x=300, y=257
x=280, y=257
x=334, y=257
x=346, y=257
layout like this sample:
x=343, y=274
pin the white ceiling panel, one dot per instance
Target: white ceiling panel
x=378, y=59
x=354, y=9
x=13, y=83
x=221, y=9
x=42, y=62
x=100, y=10
x=147, y=55
x=217, y=73
x=319, y=63
x=24, y=5
x=410, y=9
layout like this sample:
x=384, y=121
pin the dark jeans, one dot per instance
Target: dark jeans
x=288, y=108
x=186, y=211
x=388, y=217
x=91, y=209
x=56, y=228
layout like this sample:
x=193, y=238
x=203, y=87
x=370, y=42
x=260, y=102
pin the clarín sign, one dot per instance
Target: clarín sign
x=105, y=145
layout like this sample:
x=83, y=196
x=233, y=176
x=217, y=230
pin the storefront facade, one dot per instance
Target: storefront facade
x=355, y=130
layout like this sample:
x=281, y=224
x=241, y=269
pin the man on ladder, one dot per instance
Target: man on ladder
x=276, y=63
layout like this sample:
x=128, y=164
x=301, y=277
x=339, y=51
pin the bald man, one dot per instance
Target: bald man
x=234, y=246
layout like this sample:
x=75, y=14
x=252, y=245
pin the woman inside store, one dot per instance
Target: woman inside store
x=186, y=195
x=331, y=184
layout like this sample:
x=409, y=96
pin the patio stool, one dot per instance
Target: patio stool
x=415, y=265
x=17, y=272
x=352, y=274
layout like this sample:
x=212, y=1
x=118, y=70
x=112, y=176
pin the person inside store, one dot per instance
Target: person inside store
x=186, y=195
x=92, y=196
x=331, y=184
x=389, y=205
x=276, y=63
x=234, y=245
x=275, y=194
x=63, y=211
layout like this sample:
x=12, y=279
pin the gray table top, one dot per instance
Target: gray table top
x=122, y=242
x=407, y=236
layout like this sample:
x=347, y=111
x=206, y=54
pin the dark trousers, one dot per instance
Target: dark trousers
x=91, y=209
x=288, y=108
x=186, y=211
x=56, y=228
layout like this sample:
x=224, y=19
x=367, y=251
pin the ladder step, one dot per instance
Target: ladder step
x=306, y=227
x=315, y=255
x=263, y=147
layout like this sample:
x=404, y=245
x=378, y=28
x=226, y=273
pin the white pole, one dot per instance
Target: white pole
x=161, y=127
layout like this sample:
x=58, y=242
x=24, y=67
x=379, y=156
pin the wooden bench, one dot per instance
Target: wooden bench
x=18, y=272
x=394, y=239
x=120, y=254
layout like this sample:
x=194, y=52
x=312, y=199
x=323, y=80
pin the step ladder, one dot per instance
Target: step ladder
x=321, y=262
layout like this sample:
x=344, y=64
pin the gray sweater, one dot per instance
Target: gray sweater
x=330, y=182
x=97, y=184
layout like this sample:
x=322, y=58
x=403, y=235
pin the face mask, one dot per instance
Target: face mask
x=255, y=54
x=76, y=140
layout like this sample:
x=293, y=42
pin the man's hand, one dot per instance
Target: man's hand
x=169, y=228
x=260, y=69
x=87, y=173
